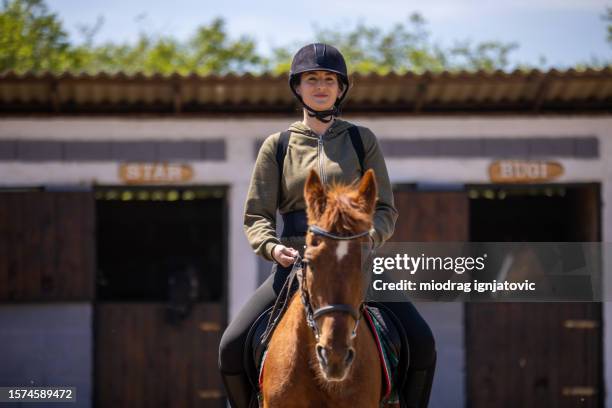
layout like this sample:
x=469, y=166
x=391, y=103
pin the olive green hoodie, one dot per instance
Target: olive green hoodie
x=333, y=156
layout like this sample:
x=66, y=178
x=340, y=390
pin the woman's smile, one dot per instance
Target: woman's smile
x=321, y=97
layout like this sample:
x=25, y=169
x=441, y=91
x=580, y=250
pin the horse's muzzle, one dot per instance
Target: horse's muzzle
x=335, y=364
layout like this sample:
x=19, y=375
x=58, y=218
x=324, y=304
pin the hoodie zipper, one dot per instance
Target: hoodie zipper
x=320, y=153
x=320, y=157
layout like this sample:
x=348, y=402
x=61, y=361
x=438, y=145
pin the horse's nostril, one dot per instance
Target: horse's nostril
x=322, y=353
x=350, y=355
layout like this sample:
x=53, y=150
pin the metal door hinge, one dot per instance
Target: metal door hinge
x=579, y=391
x=583, y=324
x=209, y=394
x=209, y=326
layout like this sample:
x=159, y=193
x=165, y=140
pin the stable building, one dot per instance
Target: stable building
x=123, y=257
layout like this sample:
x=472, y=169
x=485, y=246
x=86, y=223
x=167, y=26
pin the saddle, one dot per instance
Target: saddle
x=387, y=330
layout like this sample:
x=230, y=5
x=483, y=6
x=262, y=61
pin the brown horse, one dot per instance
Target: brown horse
x=319, y=355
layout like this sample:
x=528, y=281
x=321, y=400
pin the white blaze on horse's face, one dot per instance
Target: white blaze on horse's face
x=341, y=250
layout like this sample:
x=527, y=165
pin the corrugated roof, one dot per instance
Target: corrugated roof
x=495, y=92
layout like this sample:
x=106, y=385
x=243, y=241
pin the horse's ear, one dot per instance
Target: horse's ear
x=314, y=194
x=368, y=192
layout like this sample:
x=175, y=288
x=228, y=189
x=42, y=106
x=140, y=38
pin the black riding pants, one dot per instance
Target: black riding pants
x=420, y=338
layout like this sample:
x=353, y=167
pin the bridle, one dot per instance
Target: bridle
x=311, y=314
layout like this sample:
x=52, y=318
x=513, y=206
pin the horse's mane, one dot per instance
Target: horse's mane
x=343, y=214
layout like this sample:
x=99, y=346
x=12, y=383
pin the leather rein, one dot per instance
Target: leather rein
x=311, y=313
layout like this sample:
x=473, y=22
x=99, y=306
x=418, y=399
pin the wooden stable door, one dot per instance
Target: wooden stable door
x=527, y=355
x=144, y=361
x=533, y=355
x=160, y=307
x=431, y=216
x=46, y=246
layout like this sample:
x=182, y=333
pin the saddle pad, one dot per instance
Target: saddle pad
x=388, y=351
x=388, y=345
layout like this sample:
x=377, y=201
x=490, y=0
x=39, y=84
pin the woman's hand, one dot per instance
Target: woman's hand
x=283, y=255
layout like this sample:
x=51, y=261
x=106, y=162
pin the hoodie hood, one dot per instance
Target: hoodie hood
x=338, y=127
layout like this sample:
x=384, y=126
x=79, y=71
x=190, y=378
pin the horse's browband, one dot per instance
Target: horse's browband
x=320, y=231
x=295, y=223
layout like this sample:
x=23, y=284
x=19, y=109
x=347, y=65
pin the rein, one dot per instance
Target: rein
x=312, y=314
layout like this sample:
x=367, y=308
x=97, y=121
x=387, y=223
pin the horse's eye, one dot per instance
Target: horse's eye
x=314, y=241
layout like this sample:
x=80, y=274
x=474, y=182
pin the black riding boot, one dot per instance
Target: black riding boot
x=417, y=387
x=239, y=391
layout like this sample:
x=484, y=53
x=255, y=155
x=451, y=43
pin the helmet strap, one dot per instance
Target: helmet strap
x=325, y=116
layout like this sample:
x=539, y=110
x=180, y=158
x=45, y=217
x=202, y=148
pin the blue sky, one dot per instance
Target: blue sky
x=566, y=32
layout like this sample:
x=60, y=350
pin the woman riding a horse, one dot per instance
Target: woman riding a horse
x=341, y=153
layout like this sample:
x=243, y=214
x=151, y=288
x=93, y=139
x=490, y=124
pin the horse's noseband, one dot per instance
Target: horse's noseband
x=312, y=315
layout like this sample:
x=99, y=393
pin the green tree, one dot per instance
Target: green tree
x=403, y=47
x=32, y=38
x=209, y=50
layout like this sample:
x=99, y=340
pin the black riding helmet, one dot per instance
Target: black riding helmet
x=319, y=57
